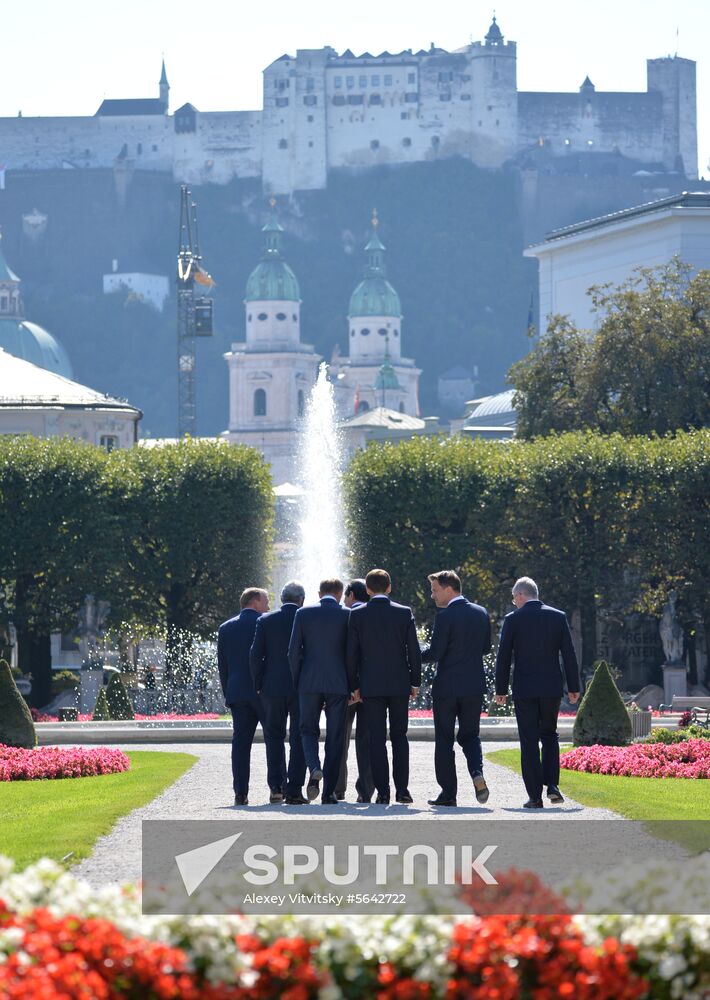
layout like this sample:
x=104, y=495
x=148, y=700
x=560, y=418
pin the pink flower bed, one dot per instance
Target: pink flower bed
x=643, y=760
x=59, y=762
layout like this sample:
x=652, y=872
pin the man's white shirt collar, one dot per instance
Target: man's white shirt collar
x=328, y=597
x=454, y=599
x=375, y=596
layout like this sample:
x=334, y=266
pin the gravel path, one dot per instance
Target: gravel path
x=205, y=793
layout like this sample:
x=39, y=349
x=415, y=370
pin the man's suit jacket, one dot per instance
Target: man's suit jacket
x=270, y=669
x=383, y=652
x=234, y=640
x=316, y=651
x=534, y=637
x=462, y=634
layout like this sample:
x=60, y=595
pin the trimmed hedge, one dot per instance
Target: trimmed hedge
x=602, y=718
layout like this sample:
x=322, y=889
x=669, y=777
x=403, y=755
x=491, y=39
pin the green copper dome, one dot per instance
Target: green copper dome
x=387, y=376
x=272, y=279
x=374, y=296
x=32, y=343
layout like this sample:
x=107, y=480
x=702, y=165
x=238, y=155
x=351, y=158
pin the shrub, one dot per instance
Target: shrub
x=16, y=726
x=101, y=710
x=602, y=717
x=65, y=680
x=670, y=736
x=119, y=704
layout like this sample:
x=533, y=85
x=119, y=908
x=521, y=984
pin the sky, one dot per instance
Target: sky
x=65, y=58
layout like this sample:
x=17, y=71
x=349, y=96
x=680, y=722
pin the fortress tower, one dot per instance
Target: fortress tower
x=271, y=373
x=494, y=107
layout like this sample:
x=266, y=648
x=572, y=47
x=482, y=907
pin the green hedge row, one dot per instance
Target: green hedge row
x=599, y=522
x=168, y=535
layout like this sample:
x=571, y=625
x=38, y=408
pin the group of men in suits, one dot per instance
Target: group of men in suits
x=361, y=660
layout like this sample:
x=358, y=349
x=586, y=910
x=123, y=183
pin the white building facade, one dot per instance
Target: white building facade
x=608, y=249
x=322, y=110
x=272, y=372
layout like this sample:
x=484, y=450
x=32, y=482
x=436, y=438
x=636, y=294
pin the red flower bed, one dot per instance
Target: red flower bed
x=158, y=717
x=506, y=958
x=517, y=892
x=71, y=959
x=690, y=759
x=59, y=762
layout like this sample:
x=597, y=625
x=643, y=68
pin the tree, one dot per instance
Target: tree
x=602, y=718
x=198, y=519
x=57, y=542
x=117, y=700
x=101, y=711
x=16, y=726
x=646, y=369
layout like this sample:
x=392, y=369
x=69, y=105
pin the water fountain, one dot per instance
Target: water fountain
x=321, y=546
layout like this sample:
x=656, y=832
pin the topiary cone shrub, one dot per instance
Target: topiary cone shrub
x=602, y=718
x=119, y=704
x=101, y=711
x=16, y=726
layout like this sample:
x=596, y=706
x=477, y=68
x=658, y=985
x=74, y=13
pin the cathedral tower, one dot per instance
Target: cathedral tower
x=271, y=374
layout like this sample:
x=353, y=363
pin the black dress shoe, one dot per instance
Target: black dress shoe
x=533, y=804
x=405, y=798
x=241, y=800
x=382, y=800
x=361, y=798
x=340, y=796
x=276, y=795
x=314, y=780
x=441, y=801
x=554, y=794
x=296, y=800
x=329, y=800
x=481, y=788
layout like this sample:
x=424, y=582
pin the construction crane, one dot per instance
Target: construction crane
x=194, y=311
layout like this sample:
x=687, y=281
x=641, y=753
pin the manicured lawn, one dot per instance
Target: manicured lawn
x=54, y=818
x=644, y=799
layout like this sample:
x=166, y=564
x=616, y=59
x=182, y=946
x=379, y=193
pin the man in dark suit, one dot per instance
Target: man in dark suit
x=316, y=653
x=356, y=596
x=234, y=641
x=461, y=637
x=385, y=661
x=273, y=683
x=534, y=637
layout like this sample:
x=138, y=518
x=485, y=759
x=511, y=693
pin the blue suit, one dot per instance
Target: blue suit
x=316, y=653
x=461, y=637
x=533, y=638
x=271, y=674
x=234, y=641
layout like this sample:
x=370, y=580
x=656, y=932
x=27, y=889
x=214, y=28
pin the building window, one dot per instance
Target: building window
x=283, y=84
x=406, y=141
x=310, y=100
x=281, y=316
x=445, y=77
x=294, y=317
x=310, y=118
x=375, y=99
x=260, y=403
x=445, y=95
x=283, y=144
x=401, y=407
x=395, y=333
x=382, y=331
x=363, y=406
x=404, y=115
x=375, y=81
x=590, y=142
x=375, y=144
x=262, y=317
x=410, y=98
x=388, y=80
x=4, y=303
x=108, y=442
x=411, y=77
x=465, y=97
x=350, y=82
x=568, y=142
x=339, y=99
x=435, y=141
x=338, y=82
x=139, y=148
x=362, y=81
x=310, y=144
x=465, y=78
x=155, y=149
x=365, y=332
x=249, y=317
x=301, y=405
x=310, y=83
x=355, y=99
x=282, y=102
x=352, y=333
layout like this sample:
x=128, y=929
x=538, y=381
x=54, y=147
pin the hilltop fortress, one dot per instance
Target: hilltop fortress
x=323, y=111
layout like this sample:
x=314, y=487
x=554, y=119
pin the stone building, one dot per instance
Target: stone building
x=375, y=373
x=606, y=250
x=272, y=372
x=322, y=110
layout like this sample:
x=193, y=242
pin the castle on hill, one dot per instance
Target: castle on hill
x=323, y=111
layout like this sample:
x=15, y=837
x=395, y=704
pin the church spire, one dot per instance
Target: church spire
x=273, y=233
x=375, y=250
x=164, y=87
x=495, y=35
